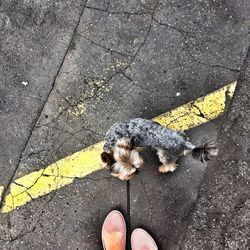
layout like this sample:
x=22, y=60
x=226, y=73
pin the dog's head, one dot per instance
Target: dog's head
x=124, y=161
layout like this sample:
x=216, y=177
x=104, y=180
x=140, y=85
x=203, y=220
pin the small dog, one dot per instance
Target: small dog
x=123, y=160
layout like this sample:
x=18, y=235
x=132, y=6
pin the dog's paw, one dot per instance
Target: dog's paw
x=171, y=167
x=163, y=169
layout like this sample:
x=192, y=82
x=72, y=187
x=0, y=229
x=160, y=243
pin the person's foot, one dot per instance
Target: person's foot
x=141, y=240
x=114, y=231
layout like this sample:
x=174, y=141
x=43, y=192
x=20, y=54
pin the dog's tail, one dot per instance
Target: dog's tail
x=205, y=152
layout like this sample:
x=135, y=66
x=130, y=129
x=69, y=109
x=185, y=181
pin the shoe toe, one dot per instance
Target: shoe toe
x=141, y=240
x=114, y=231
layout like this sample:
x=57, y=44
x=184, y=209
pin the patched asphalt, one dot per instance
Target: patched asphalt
x=89, y=64
x=220, y=218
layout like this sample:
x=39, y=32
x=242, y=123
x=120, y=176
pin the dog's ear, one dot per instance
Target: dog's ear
x=107, y=158
x=132, y=143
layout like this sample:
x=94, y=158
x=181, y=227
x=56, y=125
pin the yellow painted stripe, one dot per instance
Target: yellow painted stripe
x=55, y=176
x=86, y=161
x=199, y=111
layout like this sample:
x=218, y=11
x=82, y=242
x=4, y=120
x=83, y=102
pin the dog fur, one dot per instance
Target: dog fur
x=123, y=137
x=122, y=160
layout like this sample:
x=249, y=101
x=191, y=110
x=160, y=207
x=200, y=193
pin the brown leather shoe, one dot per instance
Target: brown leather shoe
x=141, y=240
x=114, y=231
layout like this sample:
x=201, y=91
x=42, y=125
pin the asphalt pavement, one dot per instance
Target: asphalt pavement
x=70, y=69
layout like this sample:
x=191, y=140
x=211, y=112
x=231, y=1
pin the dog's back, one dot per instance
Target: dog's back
x=147, y=134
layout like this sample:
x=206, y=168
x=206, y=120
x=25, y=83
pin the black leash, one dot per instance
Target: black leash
x=128, y=218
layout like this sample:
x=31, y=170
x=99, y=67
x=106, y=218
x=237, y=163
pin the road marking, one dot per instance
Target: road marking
x=199, y=111
x=86, y=161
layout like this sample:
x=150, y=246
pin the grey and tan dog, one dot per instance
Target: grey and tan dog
x=123, y=160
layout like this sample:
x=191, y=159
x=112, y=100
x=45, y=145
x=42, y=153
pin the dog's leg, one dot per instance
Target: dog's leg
x=168, y=162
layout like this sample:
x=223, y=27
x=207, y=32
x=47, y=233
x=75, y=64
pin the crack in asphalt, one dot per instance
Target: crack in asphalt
x=93, y=96
x=96, y=89
x=185, y=34
x=146, y=89
x=207, y=64
x=27, y=188
x=105, y=48
x=118, y=12
x=145, y=38
x=55, y=149
x=6, y=188
x=172, y=27
x=201, y=114
x=242, y=199
x=21, y=235
x=94, y=93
